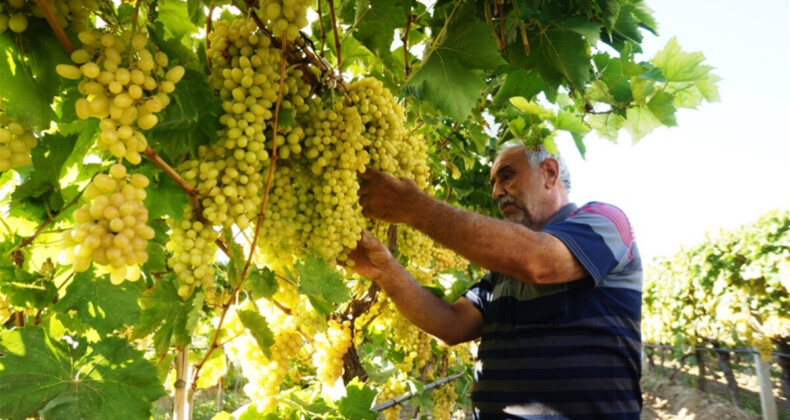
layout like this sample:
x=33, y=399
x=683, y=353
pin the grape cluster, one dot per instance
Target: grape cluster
x=443, y=399
x=245, y=74
x=192, y=245
x=111, y=229
x=265, y=374
x=330, y=347
x=393, y=388
x=72, y=14
x=284, y=16
x=124, y=84
x=15, y=143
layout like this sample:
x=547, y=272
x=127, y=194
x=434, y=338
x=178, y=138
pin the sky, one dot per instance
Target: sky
x=726, y=163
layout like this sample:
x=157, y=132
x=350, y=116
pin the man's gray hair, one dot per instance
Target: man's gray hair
x=538, y=154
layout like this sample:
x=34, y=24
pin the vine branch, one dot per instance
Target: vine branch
x=53, y=23
x=334, y=30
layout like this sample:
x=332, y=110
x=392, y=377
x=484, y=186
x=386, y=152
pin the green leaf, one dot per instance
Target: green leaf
x=448, y=78
x=42, y=187
x=531, y=108
x=358, y=401
x=519, y=82
x=101, y=304
x=378, y=20
x=559, y=54
x=259, y=329
x=189, y=121
x=26, y=290
x=323, y=285
x=606, y=125
x=30, y=83
x=662, y=107
x=591, y=30
x=679, y=66
x=261, y=282
x=58, y=381
x=172, y=319
x=570, y=121
x=639, y=121
x=171, y=15
x=165, y=198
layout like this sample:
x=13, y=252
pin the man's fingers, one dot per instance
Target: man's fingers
x=368, y=174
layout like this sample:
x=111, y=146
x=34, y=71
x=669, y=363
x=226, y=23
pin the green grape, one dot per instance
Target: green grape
x=16, y=141
x=110, y=229
x=123, y=84
x=193, y=250
x=286, y=17
x=330, y=347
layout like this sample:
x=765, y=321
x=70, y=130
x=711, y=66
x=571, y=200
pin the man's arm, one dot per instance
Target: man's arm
x=452, y=323
x=498, y=245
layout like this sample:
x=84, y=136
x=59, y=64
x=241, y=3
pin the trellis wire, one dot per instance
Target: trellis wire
x=409, y=395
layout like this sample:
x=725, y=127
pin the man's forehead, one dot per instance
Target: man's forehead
x=507, y=158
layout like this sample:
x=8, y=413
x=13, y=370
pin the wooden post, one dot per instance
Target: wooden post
x=767, y=401
x=182, y=406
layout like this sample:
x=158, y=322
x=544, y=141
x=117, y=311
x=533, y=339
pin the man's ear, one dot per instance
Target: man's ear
x=550, y=169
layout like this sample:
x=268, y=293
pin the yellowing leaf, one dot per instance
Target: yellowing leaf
x=679, y=66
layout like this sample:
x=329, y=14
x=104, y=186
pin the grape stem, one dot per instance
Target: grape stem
x=135, y=13
x=334, y=30
x=53, y=23
x=208, y=31
x=261, y=214
x=405, y=39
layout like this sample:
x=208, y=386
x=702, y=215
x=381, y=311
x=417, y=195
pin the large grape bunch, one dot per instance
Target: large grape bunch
x=111, y=228
x=72, y=14
x=124, y=84
x=16, y=140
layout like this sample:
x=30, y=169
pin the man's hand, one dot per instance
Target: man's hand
x=384, y=197
x=371, y=258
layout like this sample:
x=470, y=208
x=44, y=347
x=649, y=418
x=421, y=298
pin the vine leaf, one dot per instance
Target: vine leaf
x=322, y=285
x=25, y=290
x=101, y=304
x=165, y=198
x=357, y=402
x=450, y=78
x=376, y=27
x=27, y=74
x=558, y=53
x=679, y=66
x=639, y=121
x=165, y=312
x=42, y=185
x=262, y=282
x=259, y=329
x=71, y=380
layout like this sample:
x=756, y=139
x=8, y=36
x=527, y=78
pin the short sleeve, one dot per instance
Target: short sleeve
x=480, y=293
x=599, y=235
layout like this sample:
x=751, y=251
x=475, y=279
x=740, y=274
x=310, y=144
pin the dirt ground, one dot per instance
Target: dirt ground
x=665, y=399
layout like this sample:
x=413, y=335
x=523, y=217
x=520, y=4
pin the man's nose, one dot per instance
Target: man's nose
x=497, y=192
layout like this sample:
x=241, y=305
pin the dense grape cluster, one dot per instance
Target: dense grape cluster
x=111, y=229
x=330, y=347
x=16, y=140
x=72, y=14
x=124, y=84
x=284, y=16
x=443, y=399
x=245, y=74
x=192, y=245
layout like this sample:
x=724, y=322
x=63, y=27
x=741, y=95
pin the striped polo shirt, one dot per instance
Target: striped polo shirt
x=570, y=350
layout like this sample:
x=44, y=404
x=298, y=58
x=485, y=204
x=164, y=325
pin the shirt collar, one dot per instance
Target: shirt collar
x=562, y=214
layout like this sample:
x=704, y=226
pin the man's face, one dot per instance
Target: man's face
x=517, y=187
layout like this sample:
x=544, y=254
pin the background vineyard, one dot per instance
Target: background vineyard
x=179, y=183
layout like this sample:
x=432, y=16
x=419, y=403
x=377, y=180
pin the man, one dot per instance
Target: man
x=559, y=313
